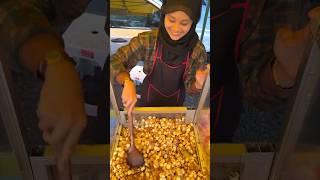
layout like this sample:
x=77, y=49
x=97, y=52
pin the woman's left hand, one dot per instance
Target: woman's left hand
x=201, y=76
x=290, y=48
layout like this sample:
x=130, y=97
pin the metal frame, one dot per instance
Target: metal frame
x=191, y=116
x=10, y=120
x=254, y=164
x=257, y=165
x=205, y=20
x=114, y=101
x=43, y=167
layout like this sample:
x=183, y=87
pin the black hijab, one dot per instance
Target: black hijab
x=174, y=52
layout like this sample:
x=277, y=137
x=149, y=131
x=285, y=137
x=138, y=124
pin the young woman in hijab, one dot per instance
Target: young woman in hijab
x=174, y=58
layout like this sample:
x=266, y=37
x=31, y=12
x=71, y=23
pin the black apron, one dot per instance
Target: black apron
x=164, y=85
x=228, y=22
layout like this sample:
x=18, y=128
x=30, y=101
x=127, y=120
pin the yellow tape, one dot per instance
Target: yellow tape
x=53, y=56
x=228, y=149
x=84, y=150
x=165, y=109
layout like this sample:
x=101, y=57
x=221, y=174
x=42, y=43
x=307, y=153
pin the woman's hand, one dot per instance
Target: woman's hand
x=290, y=49
x=201, y=76
x=61, y=111
x=129, y=95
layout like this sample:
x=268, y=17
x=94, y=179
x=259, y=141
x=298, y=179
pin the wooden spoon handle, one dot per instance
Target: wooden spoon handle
x=65, y=172
x=130, y=123
x=63, y=167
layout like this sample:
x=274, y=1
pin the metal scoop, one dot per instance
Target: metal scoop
x=135, y=158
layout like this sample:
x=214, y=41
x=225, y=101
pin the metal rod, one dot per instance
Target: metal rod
x=205, y=20
x=10, y=121
x=114, y=103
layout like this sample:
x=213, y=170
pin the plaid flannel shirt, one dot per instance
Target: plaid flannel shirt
x=143, y=48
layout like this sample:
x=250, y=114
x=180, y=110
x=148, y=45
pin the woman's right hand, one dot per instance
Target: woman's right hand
x=129, y=95
x=61, y=112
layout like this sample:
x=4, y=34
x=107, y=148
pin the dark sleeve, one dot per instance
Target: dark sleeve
x=199, y=61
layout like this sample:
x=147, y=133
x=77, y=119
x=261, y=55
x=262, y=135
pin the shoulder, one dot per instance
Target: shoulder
x=198, y=50
x=148, y=38
x=152, y=34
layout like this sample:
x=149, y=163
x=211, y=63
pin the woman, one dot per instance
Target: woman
x=173, y=55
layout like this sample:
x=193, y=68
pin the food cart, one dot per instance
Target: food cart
x=158, y=119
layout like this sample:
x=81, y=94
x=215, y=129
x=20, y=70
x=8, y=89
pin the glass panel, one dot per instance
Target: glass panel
x=203, y=124
x=303, y=162
x=113, y=123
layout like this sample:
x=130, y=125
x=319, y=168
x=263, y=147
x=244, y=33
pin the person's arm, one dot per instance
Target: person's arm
x=123, y=77
x=33, y=51
x=125, y=59
x=200, y=58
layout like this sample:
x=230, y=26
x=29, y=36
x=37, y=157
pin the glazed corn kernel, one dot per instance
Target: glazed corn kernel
x=168, y=147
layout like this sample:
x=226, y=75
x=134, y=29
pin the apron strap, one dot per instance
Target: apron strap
x=155, y=56
x=186, y=63
x=245, y=6
x=151, y=86
x=159, y=55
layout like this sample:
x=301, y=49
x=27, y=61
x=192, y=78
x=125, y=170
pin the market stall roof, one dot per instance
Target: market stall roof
x=131, y=7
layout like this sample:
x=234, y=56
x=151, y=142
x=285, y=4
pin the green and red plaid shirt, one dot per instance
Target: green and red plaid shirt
x=143, y=48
